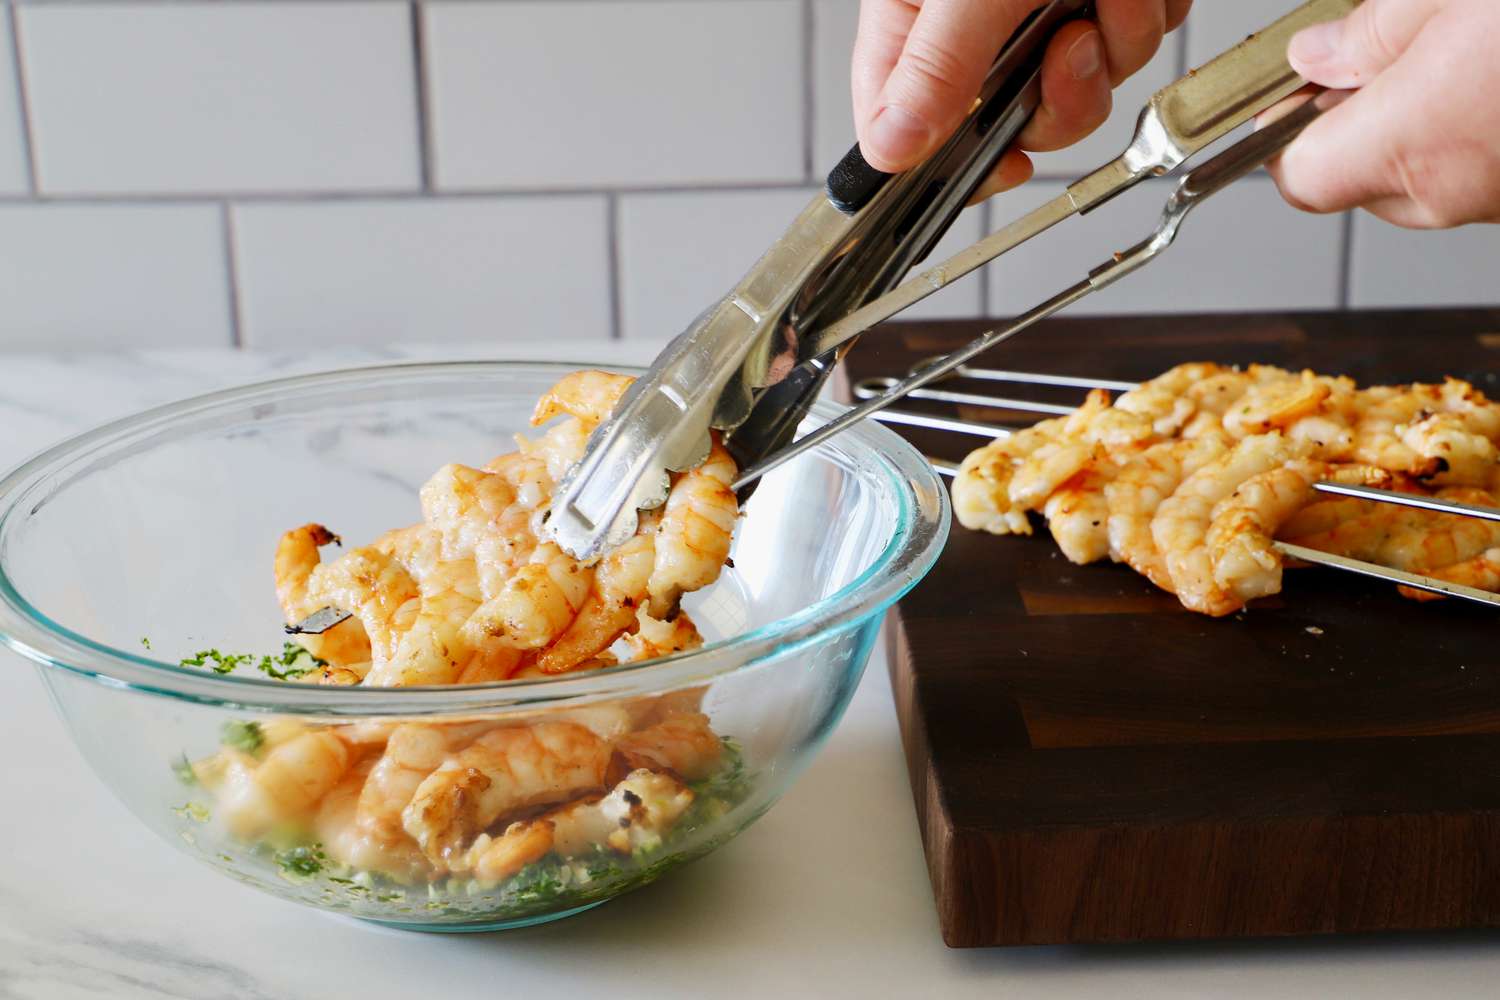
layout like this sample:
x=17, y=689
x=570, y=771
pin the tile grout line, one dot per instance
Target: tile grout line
x=232, y=276
x=612, y=262
x=986, y=226
x=809, y=97
x=23, y=99
x=1346, y=262
x=423, y=91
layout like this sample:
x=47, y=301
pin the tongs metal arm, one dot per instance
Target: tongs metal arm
x=1195, y=187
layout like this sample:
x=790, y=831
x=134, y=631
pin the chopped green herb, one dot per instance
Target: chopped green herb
x=219, y=663
x=184, y=771
x=292, y=662
x=303, y=861
x=145, y=642
x=245, y=736
x=195, y=811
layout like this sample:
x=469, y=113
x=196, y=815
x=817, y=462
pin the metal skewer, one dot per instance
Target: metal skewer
x=1301, y=552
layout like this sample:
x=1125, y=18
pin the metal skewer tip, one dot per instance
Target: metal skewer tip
x=319, y=621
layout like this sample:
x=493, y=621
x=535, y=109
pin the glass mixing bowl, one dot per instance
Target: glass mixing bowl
x=134, y=546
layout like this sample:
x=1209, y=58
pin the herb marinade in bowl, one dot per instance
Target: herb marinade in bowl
x=136, y=569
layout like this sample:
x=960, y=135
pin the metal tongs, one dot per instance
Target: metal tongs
x=751, y=366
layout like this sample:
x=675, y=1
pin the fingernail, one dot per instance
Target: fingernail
x=898, y=135
x=1086, y=56
x=1318, y=43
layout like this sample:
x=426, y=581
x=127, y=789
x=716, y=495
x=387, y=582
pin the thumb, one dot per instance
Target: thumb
x=1350, y=53
x=935, y=79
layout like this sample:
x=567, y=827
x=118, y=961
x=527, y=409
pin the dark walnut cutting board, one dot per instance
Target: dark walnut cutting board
x=1091, y=763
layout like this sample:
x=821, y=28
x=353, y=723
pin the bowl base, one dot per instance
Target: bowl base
x=481, y=927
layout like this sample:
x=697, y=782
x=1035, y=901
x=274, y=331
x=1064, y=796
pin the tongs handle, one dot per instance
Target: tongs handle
x=1010, y=83
x=900, y=218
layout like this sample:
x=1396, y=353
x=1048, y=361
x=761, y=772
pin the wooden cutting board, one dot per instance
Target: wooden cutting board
x=1091, y=763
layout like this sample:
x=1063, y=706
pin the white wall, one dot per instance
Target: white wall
x=285, y=172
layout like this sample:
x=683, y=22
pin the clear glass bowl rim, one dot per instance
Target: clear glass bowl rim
x=922, y=528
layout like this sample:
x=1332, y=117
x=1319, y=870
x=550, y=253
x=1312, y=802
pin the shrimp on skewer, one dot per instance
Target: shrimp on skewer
x=696, y=531
x=981, y=490
x=1078, y=512
x=1482, y=573
x=1182, y=522
x=1139, y=490
x=502, y=771
x=297, y=559
x=1166, y=401
x=1245, y=563
x=1094, y=431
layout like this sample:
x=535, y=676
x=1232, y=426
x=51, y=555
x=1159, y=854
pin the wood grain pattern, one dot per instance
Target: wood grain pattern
x=1091, y=763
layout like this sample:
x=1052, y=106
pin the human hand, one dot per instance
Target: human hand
x=919, y=65
x=1418, y=143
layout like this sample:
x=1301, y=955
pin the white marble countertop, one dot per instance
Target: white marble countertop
x=826, y=896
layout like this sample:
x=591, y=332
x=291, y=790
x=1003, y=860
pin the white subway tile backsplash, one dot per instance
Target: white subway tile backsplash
x=1402, y=267
x=581, y=94
x=461, y=269
x=834, y=25
x=211, y=97
x=679, y=252
x=114, y=277
x=1243, y=250
x=12, y=133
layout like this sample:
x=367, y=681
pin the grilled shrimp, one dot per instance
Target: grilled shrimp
x=1137, y=492
x=494, y=859
x=617, y=592
x=1482, y=573
x=537, y=604
x=376, y=589
x=256, y=798
x=1181, y=524
x=588, y=395
x=697, y=527
x=1276, y=404
x=981, y=490
x=434, y=650
x=412, y=752
x=654, y=637
x=500, y=772
x=1463, y=457
x=681, y=743
x=1078, y=512
x=1245, y=563
x=1166, y=401
x=637, y=813
x=467, y=508
x=336, y=828
x=1421, y=541
x=296, y=560
x=1379, y=415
